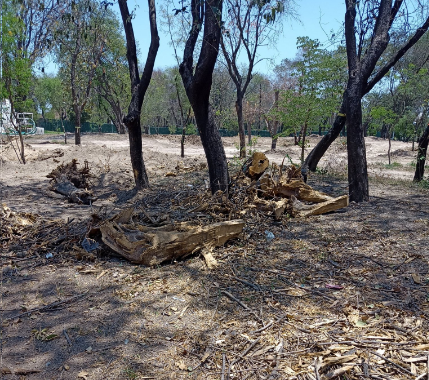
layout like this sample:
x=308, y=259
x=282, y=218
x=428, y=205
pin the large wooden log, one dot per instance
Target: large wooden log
x=300, y=190
x=294, y=187
x=300, y=209
x=152, y=246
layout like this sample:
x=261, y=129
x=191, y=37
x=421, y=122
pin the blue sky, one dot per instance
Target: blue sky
x=316, y=17
x=316, y=20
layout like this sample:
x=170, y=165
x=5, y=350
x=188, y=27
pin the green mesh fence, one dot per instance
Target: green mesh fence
x=52, y=125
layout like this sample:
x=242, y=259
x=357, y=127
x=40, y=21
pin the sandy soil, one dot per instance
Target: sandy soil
x=24, y=187
x=115, y=320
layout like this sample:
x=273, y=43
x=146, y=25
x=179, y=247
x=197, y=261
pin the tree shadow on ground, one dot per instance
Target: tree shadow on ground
x=325, y=279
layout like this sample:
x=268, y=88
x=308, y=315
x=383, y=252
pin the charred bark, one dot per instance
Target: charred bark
x=78, y=114
x=198, y=83
x=356, y=153
x=421, y=155
x=320, y=149
x=139, y=86
x=241, y=133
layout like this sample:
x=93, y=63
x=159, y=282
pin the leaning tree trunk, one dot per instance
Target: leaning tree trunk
x=357, y=165
x=421, y=155
x=241, y=133
x=22, y=148
x=320, y=149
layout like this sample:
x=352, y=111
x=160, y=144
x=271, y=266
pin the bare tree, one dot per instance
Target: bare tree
x=39, y=18
x=112, y=95
x=139, y=87
x=82, y=38
x=198, y=84
x=368, y=26
x=272, y=121
x=248, y=25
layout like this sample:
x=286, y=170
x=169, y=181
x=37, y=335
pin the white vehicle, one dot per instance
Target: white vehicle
x=11, y=123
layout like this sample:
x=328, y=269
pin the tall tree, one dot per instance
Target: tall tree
x=198, y=83
x=316, y=82
x=16, y=72
x=82, y=35
x=39, y=18
x=111, y=77
x=368, y=26
x=247, y=26
x=139, y=86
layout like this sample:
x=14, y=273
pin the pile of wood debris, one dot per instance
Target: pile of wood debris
x=72, y=182
x=252, y=192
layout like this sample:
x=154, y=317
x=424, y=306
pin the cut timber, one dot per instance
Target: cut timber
x=255, y=166
x=300, y=209
x=151, y=246
x=300, y=190
x=280, y=208
x=208, y=257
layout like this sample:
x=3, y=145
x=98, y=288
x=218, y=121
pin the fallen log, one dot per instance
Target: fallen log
x=64, y=187
x=68, y=180
x=155, y=245
x=299, y=209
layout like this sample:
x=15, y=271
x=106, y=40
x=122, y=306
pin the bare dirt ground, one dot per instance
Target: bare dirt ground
x=346, y=291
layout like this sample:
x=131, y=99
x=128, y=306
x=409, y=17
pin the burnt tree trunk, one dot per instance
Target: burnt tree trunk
x=241, y=133
x=198, y=84
x=421, y=155
x=320, y=149
x=138, y=88
x=356, y=153
x=249, y=133
x=78, y=122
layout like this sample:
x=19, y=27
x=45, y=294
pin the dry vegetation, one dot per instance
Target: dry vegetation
x=337, y=296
